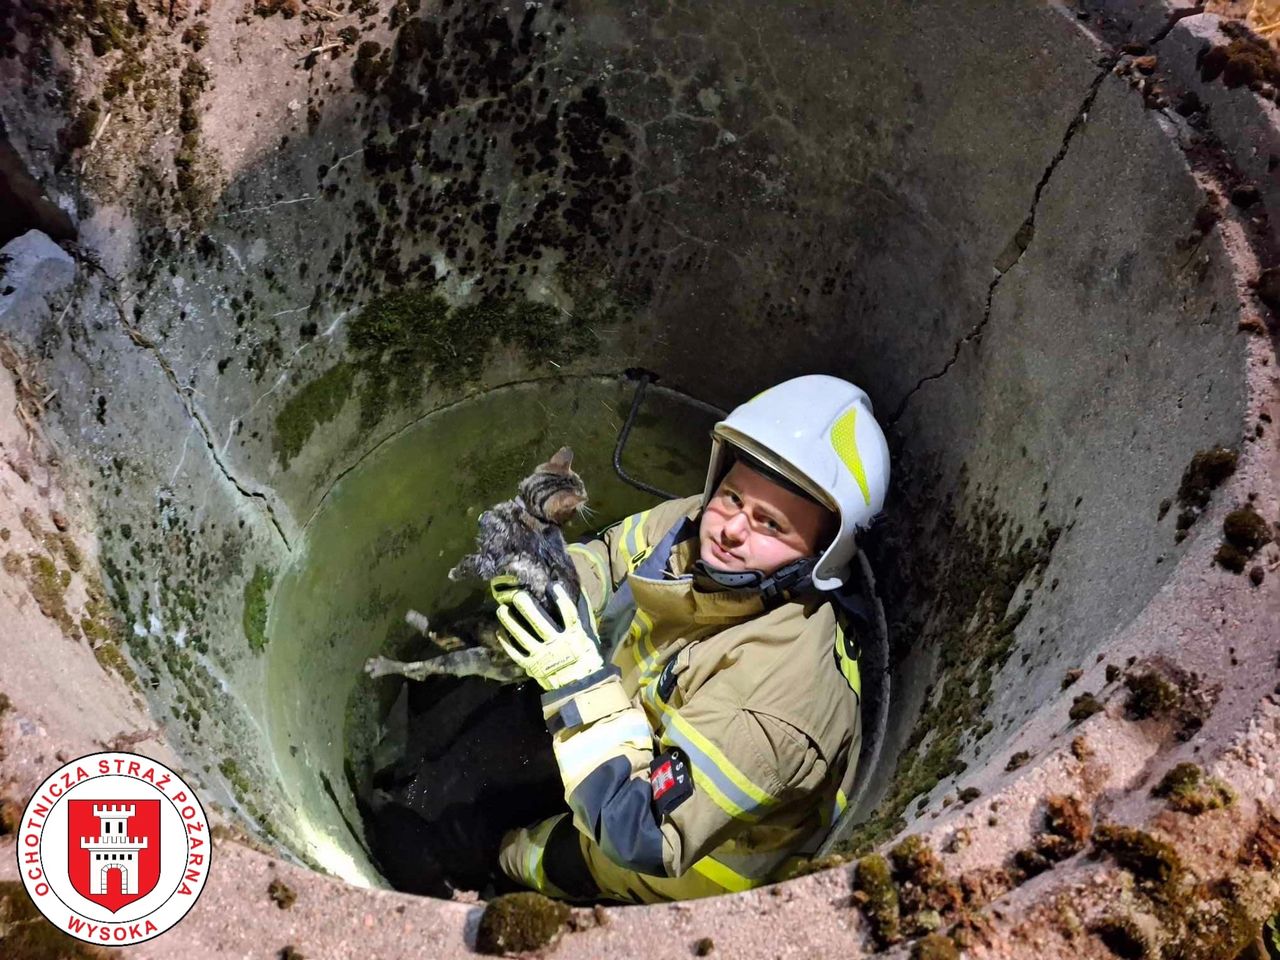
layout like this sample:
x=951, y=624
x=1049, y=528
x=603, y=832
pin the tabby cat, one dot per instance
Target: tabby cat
x=522, y=537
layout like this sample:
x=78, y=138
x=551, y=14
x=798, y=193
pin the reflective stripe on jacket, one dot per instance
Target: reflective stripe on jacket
x=759, y=702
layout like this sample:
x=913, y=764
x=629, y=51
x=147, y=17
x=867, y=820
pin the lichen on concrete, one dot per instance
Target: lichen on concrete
x=257, y=596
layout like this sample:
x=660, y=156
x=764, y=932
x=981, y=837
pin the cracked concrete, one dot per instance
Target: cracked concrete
x=1017, y=246
x=185, y=396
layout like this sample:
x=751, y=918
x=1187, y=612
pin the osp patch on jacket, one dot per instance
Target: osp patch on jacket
x=671, y=780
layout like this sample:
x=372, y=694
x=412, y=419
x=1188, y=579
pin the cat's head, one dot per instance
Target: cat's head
x=553, y=492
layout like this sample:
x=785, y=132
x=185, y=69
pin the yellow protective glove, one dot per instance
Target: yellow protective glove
x=504, y=587
x=552, y=655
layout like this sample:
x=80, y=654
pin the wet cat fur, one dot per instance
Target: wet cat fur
x=521, y=536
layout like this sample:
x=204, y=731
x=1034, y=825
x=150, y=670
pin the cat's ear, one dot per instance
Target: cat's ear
x=561, y=461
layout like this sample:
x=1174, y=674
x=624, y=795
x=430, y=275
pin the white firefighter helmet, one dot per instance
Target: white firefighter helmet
x=819, y=433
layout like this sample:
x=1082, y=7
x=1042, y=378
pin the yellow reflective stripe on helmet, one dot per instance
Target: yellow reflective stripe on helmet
x=713, y=772
x=848, y=665
x=723, y=876
x=844, y=442
x=838, y=806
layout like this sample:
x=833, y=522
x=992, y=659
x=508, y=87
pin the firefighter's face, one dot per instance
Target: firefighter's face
x=751, y=523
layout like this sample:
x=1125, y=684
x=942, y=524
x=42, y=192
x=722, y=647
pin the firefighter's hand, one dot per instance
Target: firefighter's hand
x=504, y=587
x=549, y=653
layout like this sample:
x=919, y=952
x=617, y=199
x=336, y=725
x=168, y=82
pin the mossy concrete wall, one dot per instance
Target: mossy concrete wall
x=292, y=250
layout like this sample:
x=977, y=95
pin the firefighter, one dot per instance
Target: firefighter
x=703, y=698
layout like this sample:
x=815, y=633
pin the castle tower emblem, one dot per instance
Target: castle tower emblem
x=114, y=851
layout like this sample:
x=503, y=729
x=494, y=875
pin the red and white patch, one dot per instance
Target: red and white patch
x=662, y=780
x=114, y=848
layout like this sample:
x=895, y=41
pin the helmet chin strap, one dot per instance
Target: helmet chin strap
x=787, y=582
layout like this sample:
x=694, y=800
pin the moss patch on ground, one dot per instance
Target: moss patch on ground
x=25, y=933
x=1244, y=534
x=1154, y=864
x=909, y=894
x=1150, y=695
x=1204, y=474
x=257, y=594
x=48, y=586
x=1190, y=791
x=935, y=946
x=520, y=923
x=10, y=816
x=1065, y=832
x=877, y=894
x=281, y=894
x=1084, y=706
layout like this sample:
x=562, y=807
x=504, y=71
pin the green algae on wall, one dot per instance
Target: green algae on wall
x=256, y=593
x=315, y=404
x=401, y=337
x=405, y=339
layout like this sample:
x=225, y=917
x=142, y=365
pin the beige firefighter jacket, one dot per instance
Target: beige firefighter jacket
x=724, y=743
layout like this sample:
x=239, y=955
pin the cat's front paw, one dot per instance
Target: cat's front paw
x=379, y=667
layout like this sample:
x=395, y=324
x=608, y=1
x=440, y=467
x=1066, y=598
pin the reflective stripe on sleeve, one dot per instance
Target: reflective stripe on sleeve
x=587, y=749
x=617, y=810
x=730, y=789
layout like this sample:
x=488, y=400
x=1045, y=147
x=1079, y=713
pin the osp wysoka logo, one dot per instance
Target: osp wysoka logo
x=114, y=848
